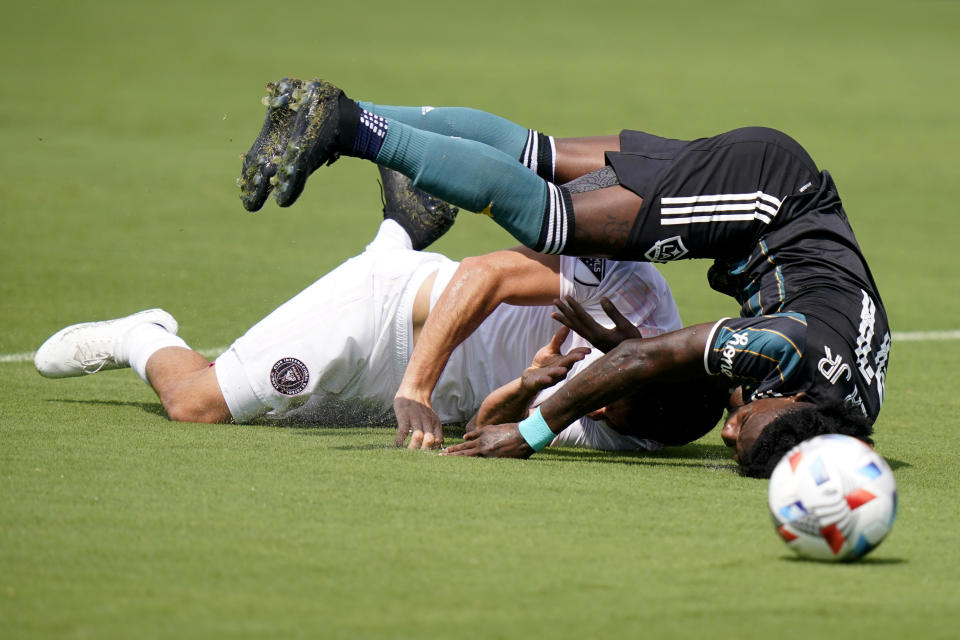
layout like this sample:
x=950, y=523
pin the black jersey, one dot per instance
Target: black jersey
x=753, y=201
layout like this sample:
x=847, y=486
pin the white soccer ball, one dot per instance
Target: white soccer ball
x=832, y=497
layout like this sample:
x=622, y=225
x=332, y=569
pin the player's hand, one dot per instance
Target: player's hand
x=550, y=365
x=418, y=420
x=492, y=441
x=571, y=314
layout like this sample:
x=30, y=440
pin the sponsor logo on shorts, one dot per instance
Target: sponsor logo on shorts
x=666, y=250
x=289, y=376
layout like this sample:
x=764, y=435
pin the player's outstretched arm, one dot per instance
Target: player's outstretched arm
x=677, y=355
x=480, y=284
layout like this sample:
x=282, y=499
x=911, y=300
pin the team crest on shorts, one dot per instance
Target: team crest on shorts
x=666, y=250
x=289, y=376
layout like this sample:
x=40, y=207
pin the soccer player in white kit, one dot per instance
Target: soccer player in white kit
x=337, y=352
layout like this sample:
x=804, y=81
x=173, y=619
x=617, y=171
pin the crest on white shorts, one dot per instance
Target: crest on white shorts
x=289, y=376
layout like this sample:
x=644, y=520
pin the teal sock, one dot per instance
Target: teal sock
x=462, y=122
x=480, y=178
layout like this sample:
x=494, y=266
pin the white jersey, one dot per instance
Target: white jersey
x=336, y=352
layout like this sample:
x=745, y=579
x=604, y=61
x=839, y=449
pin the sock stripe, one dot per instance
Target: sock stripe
x=539, y=154
x=530, y=154
x=557, y=221
x=552, y=159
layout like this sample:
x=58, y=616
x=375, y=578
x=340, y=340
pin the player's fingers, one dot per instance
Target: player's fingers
x=618, y=318
x=562, y=319
x=462, y=449
x=580, y=321
x=416, y=438
x=432, y=439
x=557, y=341
x=472, y=435
x=578, y=310
x=402, y=431
x=576, y=355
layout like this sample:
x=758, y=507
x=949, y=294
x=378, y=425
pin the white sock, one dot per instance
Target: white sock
x=143, y=341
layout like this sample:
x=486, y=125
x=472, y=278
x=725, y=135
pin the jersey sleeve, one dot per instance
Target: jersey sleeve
x=760, y=353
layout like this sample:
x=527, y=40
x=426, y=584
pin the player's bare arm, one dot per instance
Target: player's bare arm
x=512, y=401
x=677, y=355
x=480, y=284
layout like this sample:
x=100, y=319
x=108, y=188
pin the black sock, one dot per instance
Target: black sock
x=361, y=131
x=538, y=153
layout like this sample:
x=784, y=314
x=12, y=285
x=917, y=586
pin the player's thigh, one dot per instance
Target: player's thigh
x=602, y=221
x=578, y=156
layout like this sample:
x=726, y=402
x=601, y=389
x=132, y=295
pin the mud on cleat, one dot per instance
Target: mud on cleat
x=86, y=348
x=314, y=139
x=260, y=162
x=424, y=217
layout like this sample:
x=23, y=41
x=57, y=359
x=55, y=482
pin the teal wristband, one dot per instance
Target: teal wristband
x=536, y=431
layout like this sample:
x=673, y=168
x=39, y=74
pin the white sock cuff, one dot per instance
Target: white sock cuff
x=146, y=339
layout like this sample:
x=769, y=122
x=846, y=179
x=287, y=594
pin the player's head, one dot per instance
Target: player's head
x=669, y=413
x=770, y=431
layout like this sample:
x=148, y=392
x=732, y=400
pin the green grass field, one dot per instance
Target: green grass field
x=122, y=124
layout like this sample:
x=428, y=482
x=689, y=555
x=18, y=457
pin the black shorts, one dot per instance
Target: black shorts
x=711, y=197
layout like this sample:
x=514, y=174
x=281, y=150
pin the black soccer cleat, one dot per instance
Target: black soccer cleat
x=260, y=162
x=314, y=139
x=424, y=217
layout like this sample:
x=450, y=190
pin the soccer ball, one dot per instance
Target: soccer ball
x=832, y=497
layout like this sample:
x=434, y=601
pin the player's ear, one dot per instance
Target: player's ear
x=799, y=397
x=599, y=414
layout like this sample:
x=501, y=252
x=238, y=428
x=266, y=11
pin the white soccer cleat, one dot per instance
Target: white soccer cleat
x=86, y=348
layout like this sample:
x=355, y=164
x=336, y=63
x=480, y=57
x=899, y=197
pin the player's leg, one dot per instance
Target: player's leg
x=466, y=173
x=531, y=148
x=576, y=157
x=187, y=386
x=148, y=343
x=557, y=160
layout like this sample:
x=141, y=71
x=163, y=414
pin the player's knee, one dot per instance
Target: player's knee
x=194, y=408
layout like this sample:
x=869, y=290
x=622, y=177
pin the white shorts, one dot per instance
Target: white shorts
x=597, y=434
x=346, y=337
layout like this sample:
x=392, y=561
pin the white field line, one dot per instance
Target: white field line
x=898, y=336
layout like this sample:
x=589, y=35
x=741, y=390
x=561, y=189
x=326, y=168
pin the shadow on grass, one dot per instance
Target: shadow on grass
x=869, y=560
x=896, y=464
x=717, y=457
x=154, y=408
x=711, y=455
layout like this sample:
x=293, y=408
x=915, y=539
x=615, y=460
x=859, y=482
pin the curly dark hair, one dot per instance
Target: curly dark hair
x=793, y=427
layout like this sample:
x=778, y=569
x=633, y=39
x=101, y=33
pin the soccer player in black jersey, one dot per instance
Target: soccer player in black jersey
x=810, y=348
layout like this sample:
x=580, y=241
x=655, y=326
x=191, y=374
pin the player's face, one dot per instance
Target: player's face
x=747, y=422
